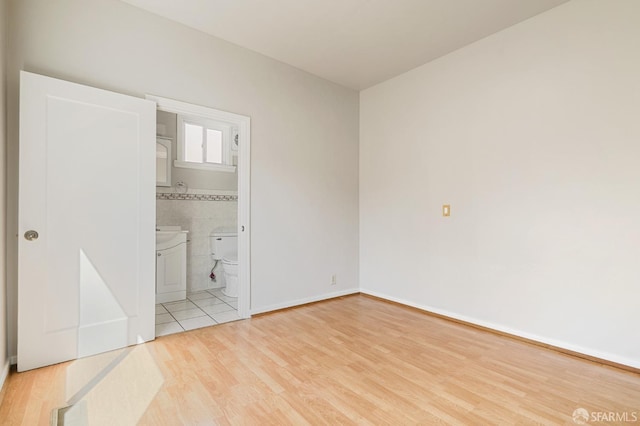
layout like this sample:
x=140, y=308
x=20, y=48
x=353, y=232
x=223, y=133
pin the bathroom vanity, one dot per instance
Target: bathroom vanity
x=171, y=264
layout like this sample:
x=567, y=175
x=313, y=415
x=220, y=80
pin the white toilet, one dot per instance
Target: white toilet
x=224, y=247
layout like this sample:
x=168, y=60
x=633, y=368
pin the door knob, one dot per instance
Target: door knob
x=31, y=235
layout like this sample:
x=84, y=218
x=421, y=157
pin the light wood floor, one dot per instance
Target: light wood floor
x=349, y=360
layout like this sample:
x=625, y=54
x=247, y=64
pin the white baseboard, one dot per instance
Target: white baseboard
x=4, y=373
x=292, y=303
x=536, y=338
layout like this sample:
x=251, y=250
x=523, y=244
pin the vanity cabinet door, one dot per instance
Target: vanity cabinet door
x=171, y=269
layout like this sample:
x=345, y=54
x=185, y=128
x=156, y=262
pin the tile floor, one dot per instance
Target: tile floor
x=200, y=309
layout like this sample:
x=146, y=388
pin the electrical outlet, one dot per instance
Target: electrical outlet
x=333, y=279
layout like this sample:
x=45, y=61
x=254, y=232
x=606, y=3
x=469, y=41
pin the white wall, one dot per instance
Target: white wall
x=533, y=136
x=304, y=135
x=4, y=360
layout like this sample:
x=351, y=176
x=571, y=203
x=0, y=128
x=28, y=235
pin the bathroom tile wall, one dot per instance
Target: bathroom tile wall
x=199, y=212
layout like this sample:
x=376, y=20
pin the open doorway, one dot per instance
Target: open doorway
x=202, y=216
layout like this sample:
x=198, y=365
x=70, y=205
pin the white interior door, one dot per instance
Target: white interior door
x=87, y=188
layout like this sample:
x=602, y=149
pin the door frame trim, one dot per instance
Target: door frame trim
x=244, y=186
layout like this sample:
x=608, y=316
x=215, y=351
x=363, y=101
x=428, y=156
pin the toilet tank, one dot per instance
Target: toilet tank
x=223, y=244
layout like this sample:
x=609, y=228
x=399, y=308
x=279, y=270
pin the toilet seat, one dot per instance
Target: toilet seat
x=230, y=260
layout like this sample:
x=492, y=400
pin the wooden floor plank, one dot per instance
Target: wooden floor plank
x=351, y=360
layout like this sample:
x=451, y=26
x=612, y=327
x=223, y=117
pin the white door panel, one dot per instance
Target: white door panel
x=87, y=185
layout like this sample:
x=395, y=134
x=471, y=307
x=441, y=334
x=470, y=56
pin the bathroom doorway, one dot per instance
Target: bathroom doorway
x=202, y=201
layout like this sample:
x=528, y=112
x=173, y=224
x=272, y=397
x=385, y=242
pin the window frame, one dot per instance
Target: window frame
x=225, y=128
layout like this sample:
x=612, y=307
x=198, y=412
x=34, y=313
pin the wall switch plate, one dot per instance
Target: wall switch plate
x=446, y=210
x=333, y=279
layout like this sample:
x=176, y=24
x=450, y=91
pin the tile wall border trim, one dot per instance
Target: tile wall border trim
x=197, y=195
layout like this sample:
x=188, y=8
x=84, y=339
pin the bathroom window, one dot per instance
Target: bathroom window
x=204, y=144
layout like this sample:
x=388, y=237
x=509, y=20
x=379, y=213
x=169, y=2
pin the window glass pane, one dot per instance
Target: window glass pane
x=192, y=143
x=214, y=146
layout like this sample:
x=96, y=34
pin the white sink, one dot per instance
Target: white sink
x=169, y=236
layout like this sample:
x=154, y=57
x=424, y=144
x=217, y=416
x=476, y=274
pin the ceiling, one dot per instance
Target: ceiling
x=355, y=43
